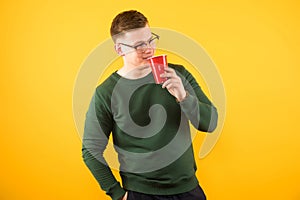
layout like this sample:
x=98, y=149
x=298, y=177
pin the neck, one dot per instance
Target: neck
x=134, y=72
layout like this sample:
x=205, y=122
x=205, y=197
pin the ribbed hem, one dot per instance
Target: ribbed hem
x=147, y=187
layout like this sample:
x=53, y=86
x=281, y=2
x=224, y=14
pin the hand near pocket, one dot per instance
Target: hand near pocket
x=124, y=197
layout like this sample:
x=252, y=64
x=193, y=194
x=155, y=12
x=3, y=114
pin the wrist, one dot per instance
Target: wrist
x=184, y=98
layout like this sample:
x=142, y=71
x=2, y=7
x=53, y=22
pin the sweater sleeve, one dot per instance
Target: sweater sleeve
x=197, y=107
x=98, y=126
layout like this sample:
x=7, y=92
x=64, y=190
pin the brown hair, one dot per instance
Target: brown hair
x=127, y=20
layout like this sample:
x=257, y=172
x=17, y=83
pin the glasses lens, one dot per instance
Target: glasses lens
x=153, y=42
x=141, y=46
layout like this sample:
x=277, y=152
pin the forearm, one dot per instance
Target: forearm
x=203, y=116
x=94, y=142
x=196, y=106
x=103, y=174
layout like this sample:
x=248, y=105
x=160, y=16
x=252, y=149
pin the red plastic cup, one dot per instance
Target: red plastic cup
x=158, y=63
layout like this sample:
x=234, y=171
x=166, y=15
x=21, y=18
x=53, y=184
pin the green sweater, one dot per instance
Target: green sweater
x=150, y=133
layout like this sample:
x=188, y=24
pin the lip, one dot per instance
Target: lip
x=146, y=58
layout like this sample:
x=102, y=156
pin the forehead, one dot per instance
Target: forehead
x=135, y=35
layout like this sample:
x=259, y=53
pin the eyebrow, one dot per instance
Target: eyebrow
x=139, y=42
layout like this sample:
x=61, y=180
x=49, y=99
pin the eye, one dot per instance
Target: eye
x=153, y=41
x=141, y=46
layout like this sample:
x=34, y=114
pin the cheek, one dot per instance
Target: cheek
x=134, y=58
x=131, y=56
x=138, y=57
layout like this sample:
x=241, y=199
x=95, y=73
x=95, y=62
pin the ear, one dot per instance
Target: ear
x=119, y=49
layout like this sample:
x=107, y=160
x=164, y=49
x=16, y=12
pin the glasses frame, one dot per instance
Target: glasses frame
x=143, y=43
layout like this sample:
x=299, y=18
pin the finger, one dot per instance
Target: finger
x=165, y=75
x=166, y=83
x=169, y=69
x=168, y=75
x=170, y=86
x=175, y=80
x=171, y=83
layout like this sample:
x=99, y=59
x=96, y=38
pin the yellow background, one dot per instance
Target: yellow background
x=255, y=45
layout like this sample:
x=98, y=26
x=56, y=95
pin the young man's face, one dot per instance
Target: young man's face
x=138, y=38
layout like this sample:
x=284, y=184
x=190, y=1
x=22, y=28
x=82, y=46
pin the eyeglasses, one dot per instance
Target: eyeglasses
x=143, y=45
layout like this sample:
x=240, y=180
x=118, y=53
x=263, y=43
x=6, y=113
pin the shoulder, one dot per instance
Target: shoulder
x=105, y=89
x=107, y=84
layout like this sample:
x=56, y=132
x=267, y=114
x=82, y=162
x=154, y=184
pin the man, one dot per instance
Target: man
x=148, y=121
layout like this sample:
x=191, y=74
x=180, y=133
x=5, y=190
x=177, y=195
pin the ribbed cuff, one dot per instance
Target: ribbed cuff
x=116, y=192
x=188, y=104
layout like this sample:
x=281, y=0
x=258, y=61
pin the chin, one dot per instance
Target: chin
x=145, y=62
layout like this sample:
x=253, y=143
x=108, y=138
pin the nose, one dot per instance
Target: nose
x=148, y=49
x=148, y=52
